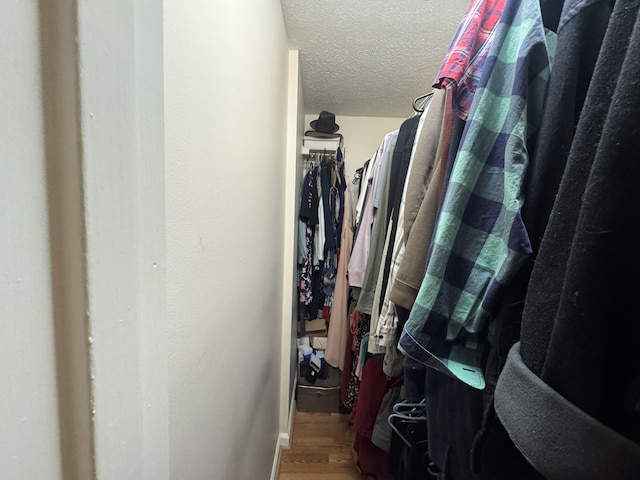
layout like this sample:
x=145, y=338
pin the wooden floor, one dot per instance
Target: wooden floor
x=320, y=449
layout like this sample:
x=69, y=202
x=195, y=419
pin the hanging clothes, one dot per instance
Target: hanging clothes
x=338, y=327
x=400, y=172
x=422, y=200
x=319, y=235
x=507, y=176
x=480, y=240
x=386, y=327
x=465, y=60
x=595, y=385
x=401, y=137
x=372, y=460
x=362, y=241
x=359, y=325
x=580, y=29
x=320, y=214
x=308, y=219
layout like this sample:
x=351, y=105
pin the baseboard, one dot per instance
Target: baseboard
x=284, y=438
x=276, y=461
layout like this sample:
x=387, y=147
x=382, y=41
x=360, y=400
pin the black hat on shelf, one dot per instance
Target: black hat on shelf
x=326, y=123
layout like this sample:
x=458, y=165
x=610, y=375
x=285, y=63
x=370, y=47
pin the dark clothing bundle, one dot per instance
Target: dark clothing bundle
x=562, y=371
x=320, y=216
x=568, y=394
x=579, y=353
x=524, y=335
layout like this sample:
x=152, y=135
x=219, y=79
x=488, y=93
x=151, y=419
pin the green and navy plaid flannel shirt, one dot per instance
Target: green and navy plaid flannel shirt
x=480, y=239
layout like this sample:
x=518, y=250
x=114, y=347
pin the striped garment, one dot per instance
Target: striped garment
x=464, y=62
x=480, y=239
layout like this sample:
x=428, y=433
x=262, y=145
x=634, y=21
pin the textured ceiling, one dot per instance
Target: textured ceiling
x=369, y=57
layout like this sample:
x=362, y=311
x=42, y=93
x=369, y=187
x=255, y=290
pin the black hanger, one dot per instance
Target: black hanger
x=418, y=99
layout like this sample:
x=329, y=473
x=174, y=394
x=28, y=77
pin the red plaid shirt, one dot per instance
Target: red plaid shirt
x=465, y=59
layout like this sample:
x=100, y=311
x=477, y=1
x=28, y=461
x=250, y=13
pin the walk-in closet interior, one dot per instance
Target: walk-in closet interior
x=464, y=298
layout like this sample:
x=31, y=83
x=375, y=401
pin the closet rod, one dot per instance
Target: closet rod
x=309, y=151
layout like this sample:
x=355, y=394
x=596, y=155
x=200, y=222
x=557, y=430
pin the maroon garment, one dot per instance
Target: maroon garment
x=374, y=384
x=372, y=461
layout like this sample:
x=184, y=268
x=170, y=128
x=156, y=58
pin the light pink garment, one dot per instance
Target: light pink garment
x=362, y=244
x=339, y=326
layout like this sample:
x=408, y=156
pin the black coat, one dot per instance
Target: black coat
x=580, y=32
x=574, y=380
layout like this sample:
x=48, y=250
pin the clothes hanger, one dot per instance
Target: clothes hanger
x=411, y=409
x=416, y=108
x=402, y=420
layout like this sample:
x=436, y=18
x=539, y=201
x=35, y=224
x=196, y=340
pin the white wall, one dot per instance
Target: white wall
x=226, y=124
x=83, y=382
x=29, y=437
x=121, y=129
x=225, y=129
x=362, y=135
x=289, y=357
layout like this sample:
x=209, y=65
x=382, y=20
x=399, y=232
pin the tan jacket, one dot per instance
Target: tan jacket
x=423, y=197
